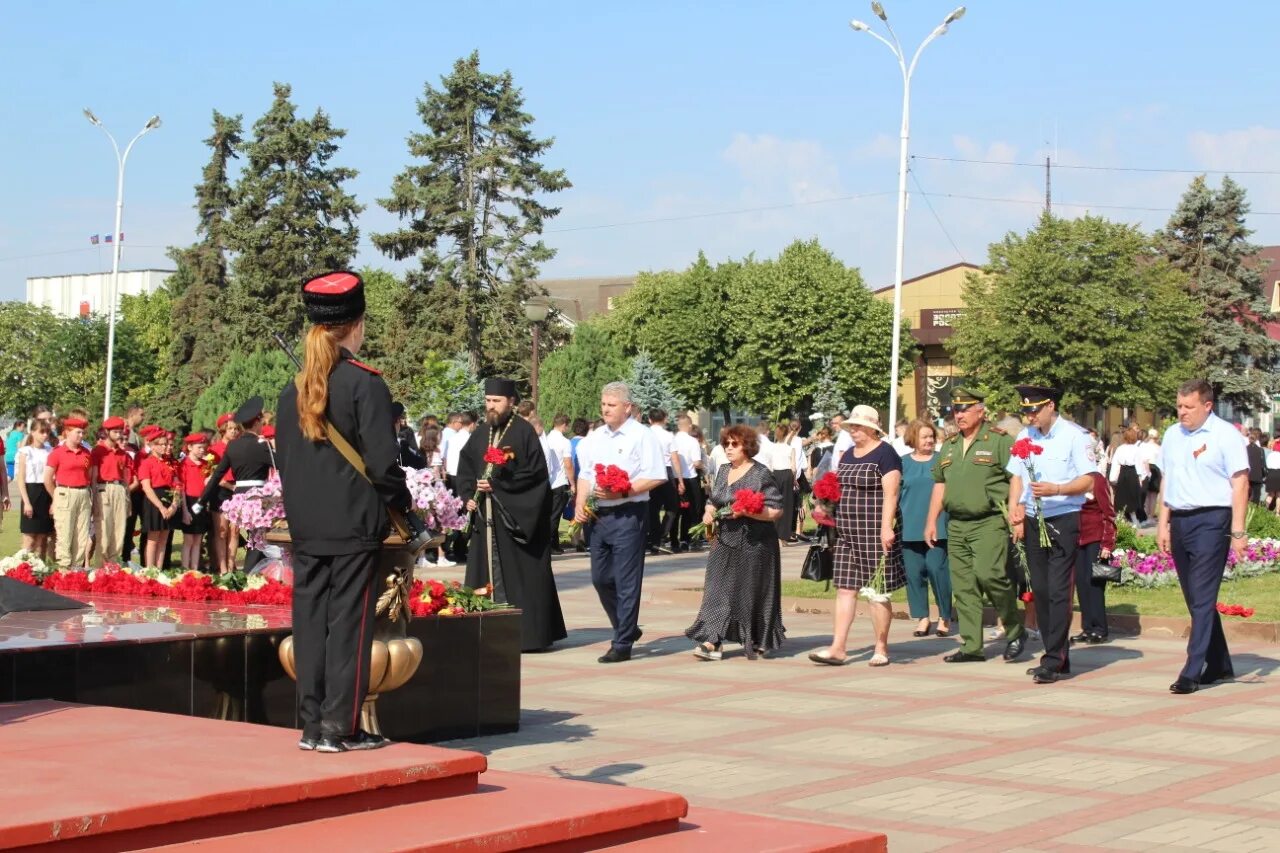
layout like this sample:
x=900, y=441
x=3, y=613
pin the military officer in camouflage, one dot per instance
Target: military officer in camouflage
x=971, y=483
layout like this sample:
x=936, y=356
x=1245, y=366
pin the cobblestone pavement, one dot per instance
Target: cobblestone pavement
x=939, y=756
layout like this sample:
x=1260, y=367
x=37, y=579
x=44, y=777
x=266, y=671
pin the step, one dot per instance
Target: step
x=706, y=830
x=509, y=811
x=99, y=778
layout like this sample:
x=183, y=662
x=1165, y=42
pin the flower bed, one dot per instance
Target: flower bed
x=1156, y=569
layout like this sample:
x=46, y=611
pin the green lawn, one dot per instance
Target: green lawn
x=1261, y=593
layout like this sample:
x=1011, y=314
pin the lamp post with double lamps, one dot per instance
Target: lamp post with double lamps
x=907, y=71
x=121, y=159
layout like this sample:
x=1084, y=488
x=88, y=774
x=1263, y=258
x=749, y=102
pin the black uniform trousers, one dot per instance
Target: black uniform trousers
x=559, y=500
x=692, y=514
x=1091, y=592
x=664, y=509
x=1052, y=572
x=1200, y=539
x=131, y=525
x=455, y=544
x=616, y=541
x=333, y=606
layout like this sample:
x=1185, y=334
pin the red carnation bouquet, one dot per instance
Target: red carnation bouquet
x=1235, y=610
x=826, y=494
x=1025, y=449
x=493, y=456
x=745, y=502
x=611, y=478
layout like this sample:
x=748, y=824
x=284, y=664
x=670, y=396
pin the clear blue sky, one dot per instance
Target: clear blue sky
x=660, y=110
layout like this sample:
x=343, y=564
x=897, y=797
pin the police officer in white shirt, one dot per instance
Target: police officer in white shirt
x=616, y=534
x=664, y=503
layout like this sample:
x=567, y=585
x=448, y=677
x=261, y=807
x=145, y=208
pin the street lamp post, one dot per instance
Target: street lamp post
x=907, y=71
x=152, y=124
x=535, y=311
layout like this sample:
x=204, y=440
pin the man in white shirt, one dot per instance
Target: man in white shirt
x=844, y=440
x=765, y=454
x=900, y=438
x=562, y=486
x=689, y=457
x=451, y=449
x=664, y=503
x=615, y=529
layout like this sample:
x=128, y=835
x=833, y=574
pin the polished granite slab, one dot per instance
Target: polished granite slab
x=220, y=661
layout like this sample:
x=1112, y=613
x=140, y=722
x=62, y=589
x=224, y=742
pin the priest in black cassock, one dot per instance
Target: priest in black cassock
x=512, y=519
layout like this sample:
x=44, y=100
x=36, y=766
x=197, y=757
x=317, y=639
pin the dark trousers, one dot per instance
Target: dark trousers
x=1200, y=540
x=131, y=525
x=1052, y=579
x=559, y=500
x=664, y=509
x=455, y=544
x=1255, y=491
x=333, y=605
x=692, y=514
x=1091, y=592
x=616, y=541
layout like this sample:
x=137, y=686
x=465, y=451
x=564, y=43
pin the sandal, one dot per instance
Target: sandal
x=944, y=632
x=922, y=633
x=827, y=660
x=878, y=660
x=706, y=651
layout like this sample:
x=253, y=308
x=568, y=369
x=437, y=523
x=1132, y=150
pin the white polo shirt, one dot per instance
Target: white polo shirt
x=843, y=442
x=632, y=447
x=666, y=443
x=563, y=449
x=687, y=446
x=453, y=451
x=555, y=467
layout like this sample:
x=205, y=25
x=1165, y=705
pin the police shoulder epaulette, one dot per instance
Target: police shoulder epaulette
x=360, y=364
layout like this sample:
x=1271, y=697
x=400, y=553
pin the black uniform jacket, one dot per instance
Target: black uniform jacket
x=331, y=509
x=247, y=457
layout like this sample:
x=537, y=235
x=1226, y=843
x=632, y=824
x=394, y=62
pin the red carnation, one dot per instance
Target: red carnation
x=496, y=456
x=611, y=478
x=747, y=502
x=1027, y=597
x=1025, y=448
x=827, y=488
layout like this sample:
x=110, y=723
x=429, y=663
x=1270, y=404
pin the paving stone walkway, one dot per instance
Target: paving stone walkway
x=939, y=756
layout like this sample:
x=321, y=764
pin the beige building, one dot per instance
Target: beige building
x=930, y=304
x=582, y=298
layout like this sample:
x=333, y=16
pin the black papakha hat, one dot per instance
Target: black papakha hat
x=250, y=410
x=498, y=387
x=334, y=298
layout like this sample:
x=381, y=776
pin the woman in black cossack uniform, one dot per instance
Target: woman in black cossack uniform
x=337, y=518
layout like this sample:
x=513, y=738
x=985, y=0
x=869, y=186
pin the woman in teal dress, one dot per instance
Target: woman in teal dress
x=925, y=567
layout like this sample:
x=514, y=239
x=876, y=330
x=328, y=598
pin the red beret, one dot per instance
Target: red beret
x=196, y=438
x=224, y=419
x=74, y=423
x=113, y=423
x=268, y=431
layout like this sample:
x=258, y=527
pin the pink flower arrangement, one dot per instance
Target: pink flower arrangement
x=256, y=510
x=440, y=509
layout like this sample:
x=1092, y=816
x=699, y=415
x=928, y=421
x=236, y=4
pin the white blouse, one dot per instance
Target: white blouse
x=1129, y=454
x=33, y=463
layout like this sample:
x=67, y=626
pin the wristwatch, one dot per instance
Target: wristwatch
x=1239, y=534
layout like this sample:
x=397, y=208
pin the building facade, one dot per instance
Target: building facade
x=83, y=294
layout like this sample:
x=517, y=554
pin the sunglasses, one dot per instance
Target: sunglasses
x=732, y=443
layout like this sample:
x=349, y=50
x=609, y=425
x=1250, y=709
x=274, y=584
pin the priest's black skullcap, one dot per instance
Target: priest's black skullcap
x=499, y=387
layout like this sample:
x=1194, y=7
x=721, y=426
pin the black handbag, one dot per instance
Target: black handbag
x=818, y=565
x=1106, y=572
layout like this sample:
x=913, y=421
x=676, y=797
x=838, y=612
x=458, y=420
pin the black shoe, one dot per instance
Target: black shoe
x=654, y=552
x=1082, y=637
x=615, y=656
x=1184, y=686
x=308, y=743
x=636, y=635
x=1040, y=675
x=1013, y=651
x=331, y=743
x=1211, y=677
x=964, y=657
x=363, y=740
x=558, y=551
x=1097, y=639
x=662, y=549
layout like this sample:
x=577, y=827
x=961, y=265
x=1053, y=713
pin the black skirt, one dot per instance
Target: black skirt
x=153, y=520
x=41, y=520
x=199, y=521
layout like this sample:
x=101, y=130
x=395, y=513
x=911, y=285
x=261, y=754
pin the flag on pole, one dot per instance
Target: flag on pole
x=107, y=239
x=94, y=239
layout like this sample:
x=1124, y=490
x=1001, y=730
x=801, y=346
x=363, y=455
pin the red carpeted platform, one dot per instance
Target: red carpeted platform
x=88, y=778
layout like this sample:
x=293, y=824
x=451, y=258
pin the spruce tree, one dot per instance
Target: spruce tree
x=649, y=386
x=292, y=219
x=1207, y=239
x=471, y=215
x=198, y=348
x=827, y=398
